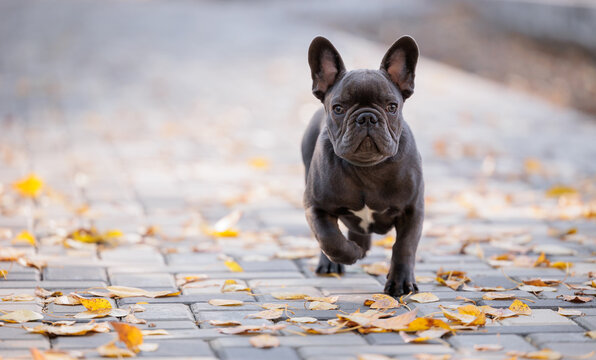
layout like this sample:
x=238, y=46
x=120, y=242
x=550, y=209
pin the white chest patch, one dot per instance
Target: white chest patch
x=366, y=217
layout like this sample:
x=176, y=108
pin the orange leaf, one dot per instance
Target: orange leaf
x=130, y=335
x=95, y=304
x=29, y=186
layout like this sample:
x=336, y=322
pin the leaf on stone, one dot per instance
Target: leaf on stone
x=154, y=332
x=111, y=350
x=422, y=324
x=561, y=265
x=225, y=302
x=224, y=322
x=364, y=319
x=321, y=330
x=185, y=280
x=18, y=298
x=249, y=329
x=591, y=334
x=423, y=336
x=320, y=305
x=130, y=335
x=377, y=268
x=233, y=286
x=382, y=301
x=498, y=296
x=396, y=323
x=465, y=299
x=328, y=299
x=93, y=314
x=25, y=237
x=303, y=320
x=233, y=266
x=577, y=298
x=69, y=300
x=424, y=297
x=77, y=329
x=264, y=341
x=126, y=292
x=560, y=190
x=541, y=282
x=497, y=313
x=488, y=347
x=288, y=295
x=38, y=264
x=271, y=306
x=131, y=318
x=373, y=357
x=569, y=312
x=536, y=289
x=224, y=227
x=542, y=260
x=95, y=304
x=10, y=254
x=21, y=316
x=3, y=273
x=544, y=354
x=520, y=308
x=148, y=347
x=268, y=314
x=30, y=186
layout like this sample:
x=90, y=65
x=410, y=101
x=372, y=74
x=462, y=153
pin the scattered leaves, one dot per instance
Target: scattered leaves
x=226, y=302
x=498, y=296
x=576, y=298
x=382, y=301
x=126, y=292
x=264, y=341
x=424, y=297
x=377, y=268
x=111, y=350
x=76, y=329
x=268, y=314
x=320, y=305
x=21, y=316
x=303, y=320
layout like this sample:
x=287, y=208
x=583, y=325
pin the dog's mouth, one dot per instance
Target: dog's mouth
x=367, y=145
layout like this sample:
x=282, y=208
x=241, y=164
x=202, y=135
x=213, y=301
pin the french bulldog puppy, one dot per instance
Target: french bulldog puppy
x=362, y=165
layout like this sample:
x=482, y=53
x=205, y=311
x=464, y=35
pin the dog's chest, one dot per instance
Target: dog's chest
x=366, y=217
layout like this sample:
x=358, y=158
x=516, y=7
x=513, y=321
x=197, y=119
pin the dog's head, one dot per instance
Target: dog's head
x=363, y=107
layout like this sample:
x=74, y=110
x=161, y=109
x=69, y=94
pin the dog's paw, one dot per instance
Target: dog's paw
x=400, y=284
x=327, y=266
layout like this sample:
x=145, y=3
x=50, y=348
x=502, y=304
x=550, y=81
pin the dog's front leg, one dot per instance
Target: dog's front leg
x=400, y=279
x=332, y=242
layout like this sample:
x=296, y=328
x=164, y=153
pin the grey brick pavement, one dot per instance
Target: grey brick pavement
x=151, y=113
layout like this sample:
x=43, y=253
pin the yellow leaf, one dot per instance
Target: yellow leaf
x=224, y=322
x=560, y=190
x=288, y=295
x=130, y=335
x=25, y=237
x=542, y=260
x=421, y=324
x=268, y=314
x=424, y=335
x=378, y=268
x=224, y=227
x=321, y=305
x=36, y=354
x=126, y=292
x=225, y=302
x=111, y=350
x=78, y=329
x=520, y=308
x=96, y=304
x=386, y=242
x=382, y=301
x=424, y=297
x=561, y=265
x=30, y=186
x=395, y=323
x=497, y=296
x=260, y=163
x=591, y=334
x=3, y=273
x=233, y=266
x=532, y=166
x=303, y=320
x=21, y=316
x=328, y=299
x=154, y=332
x=233, y=286
x=264, y=341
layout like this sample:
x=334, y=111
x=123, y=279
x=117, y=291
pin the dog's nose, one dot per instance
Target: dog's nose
x=366, y=118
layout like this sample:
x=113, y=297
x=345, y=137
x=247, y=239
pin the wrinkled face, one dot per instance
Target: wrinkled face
x=364, y=119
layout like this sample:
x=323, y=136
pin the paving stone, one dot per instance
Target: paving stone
x=52, y=285
x=250, y=353
x=250, y=306
x=545, y=339
x=81, y=342
x=142, y=254
x=77, y=273
x=270, y=265
x=41, y=344
x=390, y=350
x=187, y=298
x=585, y=350
x=390, y=338
x=297, y=341
x=145, y=281
x=16, y=333
x=537, y=318
x=203, y=318
x=588, y=322
x=465, y=343
x=180, y=347
x=169, y=312
x=264, y=293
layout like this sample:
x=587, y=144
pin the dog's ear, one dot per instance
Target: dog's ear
x=325, y=66
x=400, y=63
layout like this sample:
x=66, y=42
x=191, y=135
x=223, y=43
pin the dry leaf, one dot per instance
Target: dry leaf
x=498, y=296
x=373, y=357
x=233, y=286
x=424, y=297
x=126, y=292
x=488, y=347
x=29, y=186
x=93, y=314
x=25, y=237
x=288, y=295
x=226, y=302
x=69, y=299
x=591, y=334
x=131, y=318
x=396, y=323
x=421, y=324
x=21, y=316
x=248, y=329
x=148, y=347
x=321, y=330
x=181, y=282
x=303, y=320
x=382, y=301
x=271, y=306
x=233, y=266
x=569, y=312
x=10, y=254
x=224, y=323
x=544, y=354
x=264, y=341
x=573, y=298
x=78, y=329
x=536, y=289
x=424, y=335
x=320, y=305
x=18, y=297
x=268, y=314
x=560, y=190
x=520, y=308
x=377, y=268
x=497, y=313
x=130, y=335
x=328, y=299
x=224, y=227
x=111, y=350
x=154, y=332
x=364, y=319
x=95, y=304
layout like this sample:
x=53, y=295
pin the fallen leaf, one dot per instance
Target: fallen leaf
x=93, y=314
x=224, y=227
x=561, y=265
x=536, y=289
x=520, y=308
x=382, y=301
x=78, y=329
x=544, y=354
x=29, y=186
x=421, y=324
x=498, y=296
x=271, y=306
x=288, y=295
x=226, y=302
x=573, y=298
x=10, y=254
x=264, y=341
x=488, y=347
x=131, y=318
x=591, y=334
x=541, y=282
x=126, y=292
x=268, y=314
x=560, y=190
x=248, y=329
x=233, y=286
x=396, y=323
x=424, y=297
x=224, y=323
x=233, y=266
x=321, y=330
x=3, y=273
x=111, y=350
x=364, y=319
x=542, y=260
x=21, y=316
x=18, y=298
x=569, y=312
x=130, y=335
x=372, y=357
x=423, y=336
x=303, y=320
x=328, y=299
x=181, y=282
x=25, y=237
x=386, y=242
x=70, y=300
x=377, y=268
x=154, y=332
x=320, y=305
x=95, y=304
x=497, y=313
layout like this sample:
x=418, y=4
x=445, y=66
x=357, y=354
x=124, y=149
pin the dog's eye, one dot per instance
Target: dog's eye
x=392, y=107
x=338, y=109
